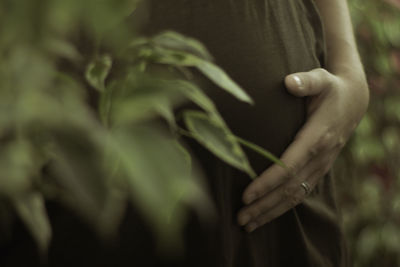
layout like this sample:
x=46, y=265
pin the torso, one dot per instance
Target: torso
x=258, y=43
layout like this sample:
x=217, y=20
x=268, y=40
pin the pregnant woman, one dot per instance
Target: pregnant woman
x=298, y=60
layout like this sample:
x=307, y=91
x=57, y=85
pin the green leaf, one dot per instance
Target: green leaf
x=261, y=151
x=159, y=177
x=216, y=137
x=77, y=171
x=62, y=49
x=30, y=207
x=160, y=54
x=17, y=167
x=220, y=78
x=144, y=99
x=97, y=72
x=209, y=69
x=175, y=41
x=196, y=95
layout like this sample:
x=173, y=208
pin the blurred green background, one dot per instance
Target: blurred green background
x=67, y=134
x=369, y=167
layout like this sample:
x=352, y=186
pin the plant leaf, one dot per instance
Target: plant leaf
x=144, y=99
x=32, y=211
x=163, y=55
x=196, y=95
x=159, y=177
x=179, y=42
x=216, y=137
x=209, y=69
x=261, y=151
x=97, y=72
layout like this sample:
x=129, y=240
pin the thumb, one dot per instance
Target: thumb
x=309, y=83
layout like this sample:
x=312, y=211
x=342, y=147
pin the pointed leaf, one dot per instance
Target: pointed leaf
x=33, y=213
x=196, y=95
x=176, y=41
x=209, y=69
x=159, y=177
x=261, y=151
x=220, y=78
x=216, y=137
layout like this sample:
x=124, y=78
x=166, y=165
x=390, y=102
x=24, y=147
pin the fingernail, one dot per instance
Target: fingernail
x=251, y=227
x=298, y=81
x=249, y=198
x=244, y=219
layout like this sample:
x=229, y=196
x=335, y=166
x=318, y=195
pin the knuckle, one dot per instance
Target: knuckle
x=286, y=193
x=292, y=169
x=341, y=142
x=324, y=143
x=312, y=152
x=264, y=187
x=327, y=137
x=321, y=71
x=324, y=74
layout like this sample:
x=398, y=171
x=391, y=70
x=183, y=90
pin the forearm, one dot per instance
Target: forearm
x=342, y=53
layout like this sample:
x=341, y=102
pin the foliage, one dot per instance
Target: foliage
x=368, y=168
x=88, y=117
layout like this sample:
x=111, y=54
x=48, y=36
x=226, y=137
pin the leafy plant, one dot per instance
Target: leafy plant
x=88, y=117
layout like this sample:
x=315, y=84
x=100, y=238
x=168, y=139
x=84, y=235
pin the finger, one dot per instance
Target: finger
x=309, y=83
x=274, y=176
x=284, y=191
x=295, y=199
x=298, y=195
x=296, y=156
x=277, y=211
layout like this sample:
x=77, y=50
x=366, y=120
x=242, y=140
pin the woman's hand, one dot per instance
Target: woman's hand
x=336, y=105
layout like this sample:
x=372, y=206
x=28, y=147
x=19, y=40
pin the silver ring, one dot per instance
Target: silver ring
x=306, y=187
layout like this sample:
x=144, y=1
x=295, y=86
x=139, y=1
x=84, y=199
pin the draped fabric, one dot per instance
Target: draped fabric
x=258, y=42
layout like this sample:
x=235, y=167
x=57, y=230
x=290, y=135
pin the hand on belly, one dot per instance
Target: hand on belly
x=337, y=104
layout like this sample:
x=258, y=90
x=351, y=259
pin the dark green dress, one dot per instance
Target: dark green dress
x=258, y=42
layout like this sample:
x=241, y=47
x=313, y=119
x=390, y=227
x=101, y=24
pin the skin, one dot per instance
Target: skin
x=338, y=98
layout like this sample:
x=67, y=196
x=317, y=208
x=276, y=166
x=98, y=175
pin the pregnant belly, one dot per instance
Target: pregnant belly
x=257, y=43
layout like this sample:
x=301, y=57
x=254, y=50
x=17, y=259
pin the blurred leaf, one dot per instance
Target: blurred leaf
x=113, y=212
x=178, y=42
x=368, y=243
x=390, y=236
x=160, y=183
x=370, y=193
x=32, y=211
x=391, y=139
x=216, y=137
x=17, y=167
x=144, y=98
x=97, y=72
x=77, y=171
x=62, y=49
